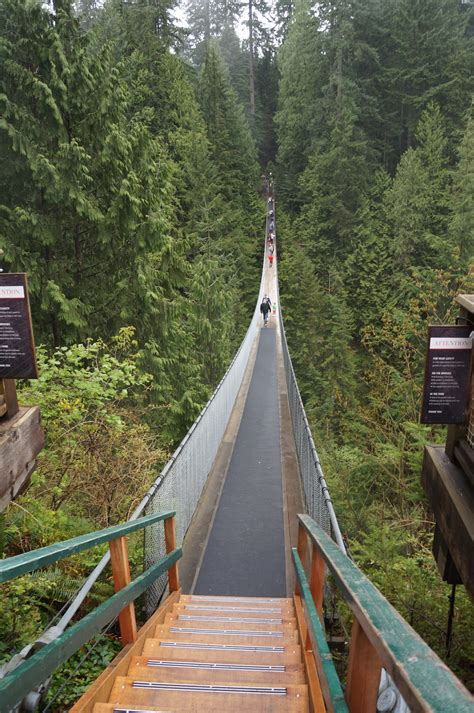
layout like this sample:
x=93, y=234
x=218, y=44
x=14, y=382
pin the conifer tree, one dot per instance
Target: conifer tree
x=86, y=189
x=303, y=75
x=462, y=223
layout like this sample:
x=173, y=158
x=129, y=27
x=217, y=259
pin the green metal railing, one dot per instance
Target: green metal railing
x=41, y=664
x=380, y=637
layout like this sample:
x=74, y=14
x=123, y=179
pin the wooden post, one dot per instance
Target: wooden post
x=10, y=404
x=363, y=673
x=170, y=540
x=121, y=575
x=316, y=582
x=302, y=549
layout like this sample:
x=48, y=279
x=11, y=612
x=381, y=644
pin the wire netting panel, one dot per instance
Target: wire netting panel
x=318, y=501
x=185, y=474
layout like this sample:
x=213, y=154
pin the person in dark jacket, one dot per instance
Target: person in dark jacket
x=265, y=309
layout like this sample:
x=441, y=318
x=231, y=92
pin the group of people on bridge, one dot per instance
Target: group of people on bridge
x=271, y=231
x=266, y=304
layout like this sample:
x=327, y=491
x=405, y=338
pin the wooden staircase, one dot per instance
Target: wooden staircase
x=221, y=654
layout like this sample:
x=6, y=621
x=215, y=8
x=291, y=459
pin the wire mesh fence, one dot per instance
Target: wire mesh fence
x=184, y=476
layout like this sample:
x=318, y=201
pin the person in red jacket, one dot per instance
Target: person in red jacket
x=270, y=259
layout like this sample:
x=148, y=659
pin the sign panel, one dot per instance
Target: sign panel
x=447, y=375
x=17, y=348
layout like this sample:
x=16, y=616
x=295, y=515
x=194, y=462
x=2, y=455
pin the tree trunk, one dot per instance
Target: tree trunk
x=251, y=60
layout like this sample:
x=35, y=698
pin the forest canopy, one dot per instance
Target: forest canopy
x=131, y=149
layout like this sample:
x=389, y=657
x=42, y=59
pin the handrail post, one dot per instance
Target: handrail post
x=170, y=542
x=363, y=672
x=121, y=575
x=316, y=582
x=302, y=549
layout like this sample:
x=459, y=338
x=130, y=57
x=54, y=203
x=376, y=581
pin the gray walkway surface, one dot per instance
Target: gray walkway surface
x=245, y=553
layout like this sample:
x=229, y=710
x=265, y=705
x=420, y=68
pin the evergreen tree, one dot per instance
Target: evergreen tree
x=304, y=73
x=86, y=192
x=462, y=223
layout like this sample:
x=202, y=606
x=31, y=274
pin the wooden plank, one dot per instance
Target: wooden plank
x=123, y=693
x=141, y=671
x=363, y=673
x=452, y=500
x=99, y=691
x=39, y=667
x=316, y=582
x=157, y=648
x=218, y=636
x=302, y=551
x=11, y=399
x=121, y=576
x=173, y=620
x=328, y=678
x=170, y=543
x=316, y=698
x=423, y=679
x=21, y=440
x=464, y=455
x=29, y=561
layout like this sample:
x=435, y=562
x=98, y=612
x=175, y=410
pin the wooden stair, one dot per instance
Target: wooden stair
x=224, y=654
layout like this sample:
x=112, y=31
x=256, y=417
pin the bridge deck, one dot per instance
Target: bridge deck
x=245, y=552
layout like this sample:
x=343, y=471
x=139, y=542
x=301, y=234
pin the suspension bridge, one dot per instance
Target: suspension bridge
x=242, y=548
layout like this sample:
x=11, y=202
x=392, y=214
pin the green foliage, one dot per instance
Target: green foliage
x=72, y=679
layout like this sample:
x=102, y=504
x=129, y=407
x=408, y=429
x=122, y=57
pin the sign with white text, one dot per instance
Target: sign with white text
x=17, y=347
x=447, y=375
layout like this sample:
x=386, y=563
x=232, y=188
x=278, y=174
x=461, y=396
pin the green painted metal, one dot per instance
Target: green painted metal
x=423, y=679
x=40, y=666
x=318, y=639
x=29, y=561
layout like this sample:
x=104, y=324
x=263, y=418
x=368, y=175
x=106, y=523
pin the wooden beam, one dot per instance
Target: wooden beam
x=11, y=399
x=316, y=582
x=121, y=575
x=302, y=549
x=170, y=541
x=363, y=673
x=451, y=498
x=21, y=441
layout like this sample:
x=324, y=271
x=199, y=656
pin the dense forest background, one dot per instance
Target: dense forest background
x=132, y=139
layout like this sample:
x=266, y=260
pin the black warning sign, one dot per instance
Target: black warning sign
x=17, y=348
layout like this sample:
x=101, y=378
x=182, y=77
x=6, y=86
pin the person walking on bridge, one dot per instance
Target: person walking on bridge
x=265, y=309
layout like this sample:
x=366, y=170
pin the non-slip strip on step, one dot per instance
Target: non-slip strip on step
x=216, y=666
x=224, y=632
x=133, y=710
x=230, y=599
x=222, y=647
x=236, y=620
x=209, y=688
x=240, y=610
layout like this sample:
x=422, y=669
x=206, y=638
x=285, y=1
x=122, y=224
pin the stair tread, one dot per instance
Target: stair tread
x=286, y=614
x=295, y=699
x=291, y=653
x=257, y=601
x=140, y=669
x=228, y=623
x=210, y=635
